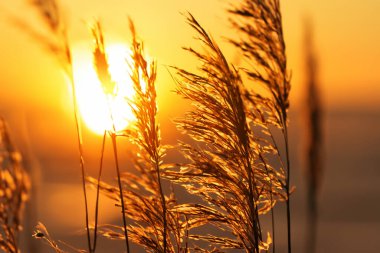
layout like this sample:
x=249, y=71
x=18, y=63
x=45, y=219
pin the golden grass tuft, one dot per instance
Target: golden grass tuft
x=156, y=225
x=14, y=192
x=228, y=166
x=262, y=43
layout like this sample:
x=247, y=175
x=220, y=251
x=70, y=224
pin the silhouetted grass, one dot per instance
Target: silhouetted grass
x=234, y=161
x=156, y=225
x=262, y=43
x=229, y=168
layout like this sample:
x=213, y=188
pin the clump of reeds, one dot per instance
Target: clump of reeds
x=228, y=166
x=165, y=235
x=235, y=161
x=14, y=191
x=262, y=42
x=155, y=224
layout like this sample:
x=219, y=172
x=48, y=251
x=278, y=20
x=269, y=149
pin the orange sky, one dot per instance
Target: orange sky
x=347, y=40
x=347, y=35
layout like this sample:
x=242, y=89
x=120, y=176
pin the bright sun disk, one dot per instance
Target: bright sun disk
x=99, y=111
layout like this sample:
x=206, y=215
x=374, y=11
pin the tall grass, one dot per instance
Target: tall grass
x=235, y=162
x=229, y=168
x=262, y=42
x=145, y=110
x=14, y=192
x=155, y=225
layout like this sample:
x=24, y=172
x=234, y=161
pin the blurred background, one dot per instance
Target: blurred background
x=345, y=36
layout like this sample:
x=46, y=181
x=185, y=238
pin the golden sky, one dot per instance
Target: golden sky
x=347, y=35
x=347, y=39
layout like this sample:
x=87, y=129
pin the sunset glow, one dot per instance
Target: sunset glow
x=102, y=111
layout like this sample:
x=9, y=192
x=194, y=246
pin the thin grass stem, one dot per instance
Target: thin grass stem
x=163, y=204
x=271, y=203
x=273, y=226
x=252, y=206
x=114, y=145
x=81, y=156
x=98, y=191
x=288, y=216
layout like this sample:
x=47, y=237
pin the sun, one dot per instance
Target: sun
x=99, y=111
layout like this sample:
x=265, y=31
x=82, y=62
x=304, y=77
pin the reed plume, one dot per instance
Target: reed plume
x=58, y=44
x=148, y=133
x=227, y=167
x=100, y=60
x=262, y=42
x=14, y=191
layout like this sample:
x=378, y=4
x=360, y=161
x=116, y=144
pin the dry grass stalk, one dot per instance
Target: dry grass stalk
x=101, y=66
x=59, y=45
x=14, y=191
x=314, y=137
x=98, y=191
x=148, y=133
x=51, y=15
x=230, y=170
x=262, y=43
